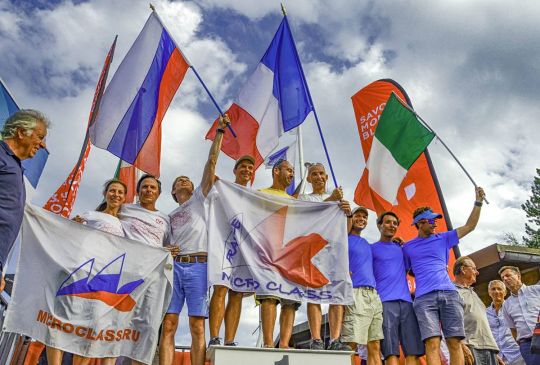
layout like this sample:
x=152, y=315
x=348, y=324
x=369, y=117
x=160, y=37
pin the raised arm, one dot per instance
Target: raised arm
x=475, y=215
x=210, y=167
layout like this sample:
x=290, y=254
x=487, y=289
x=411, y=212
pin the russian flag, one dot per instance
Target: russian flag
x=33, y=167
x=129, y=120
x=274, y=100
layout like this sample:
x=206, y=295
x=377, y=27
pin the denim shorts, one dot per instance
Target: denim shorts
x=190, y=285
x=440, y=310
x=400, y=327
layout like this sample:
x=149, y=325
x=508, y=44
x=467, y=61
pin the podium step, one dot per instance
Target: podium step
x=228, y=355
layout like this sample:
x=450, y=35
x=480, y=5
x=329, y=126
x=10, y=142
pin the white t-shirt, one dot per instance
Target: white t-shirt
x=141, y=224
x=318, y=198
x=103, y=221
x=188, y=225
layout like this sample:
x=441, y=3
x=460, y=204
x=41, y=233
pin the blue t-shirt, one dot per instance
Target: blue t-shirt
x=360, y=262
x=428, y=258
x=389, y=271
x=12, y=198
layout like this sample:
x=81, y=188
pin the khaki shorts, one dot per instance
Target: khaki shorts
x=363, y=320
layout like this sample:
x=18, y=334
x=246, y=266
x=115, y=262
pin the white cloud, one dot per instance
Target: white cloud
x=470, y=69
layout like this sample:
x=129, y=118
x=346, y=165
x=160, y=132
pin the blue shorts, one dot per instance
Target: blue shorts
x=440, y=309
x=190, y=285
x=400, y=327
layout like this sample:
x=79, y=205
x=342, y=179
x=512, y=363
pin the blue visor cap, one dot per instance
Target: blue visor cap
x=428, y=214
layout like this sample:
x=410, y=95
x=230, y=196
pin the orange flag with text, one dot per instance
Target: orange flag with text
x=419, y=185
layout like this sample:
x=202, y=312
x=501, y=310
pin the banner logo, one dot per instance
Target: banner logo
x=292, y=260
x=103, y=286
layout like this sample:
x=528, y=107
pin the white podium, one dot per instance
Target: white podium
x=229, y=355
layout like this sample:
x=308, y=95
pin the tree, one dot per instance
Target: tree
x=532, y=211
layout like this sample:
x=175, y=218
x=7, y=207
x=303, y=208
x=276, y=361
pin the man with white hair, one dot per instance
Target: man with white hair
x=318, y=177
x=22, y=136
x=479, y=346
x=507, y=344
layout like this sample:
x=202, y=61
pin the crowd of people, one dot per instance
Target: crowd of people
x=385, y=318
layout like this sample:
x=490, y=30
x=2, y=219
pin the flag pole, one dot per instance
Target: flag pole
x=194, y=70
x=325, y=149
x=316, y=119
x=440, y=140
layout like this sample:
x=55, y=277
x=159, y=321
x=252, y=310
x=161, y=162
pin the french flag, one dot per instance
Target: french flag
x=274, y=100
x=129, y=120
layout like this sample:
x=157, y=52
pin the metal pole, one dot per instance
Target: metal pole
x=444, y=208
x=440, y=140
x=193, y=68
x=325, y=149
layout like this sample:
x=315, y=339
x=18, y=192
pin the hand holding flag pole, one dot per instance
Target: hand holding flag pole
x=440, y=140
x=316, y=119
x=195, y=71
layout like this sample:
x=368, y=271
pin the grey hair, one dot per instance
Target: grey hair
x=25, y=119
x=316, y=164
x=492, y=282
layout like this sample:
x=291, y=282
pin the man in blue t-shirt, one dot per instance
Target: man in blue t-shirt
x=400, y=326
x=437, y=303
x=362, y=324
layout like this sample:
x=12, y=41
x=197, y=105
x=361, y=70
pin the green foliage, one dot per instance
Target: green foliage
x=511, y=239
x=532, y=209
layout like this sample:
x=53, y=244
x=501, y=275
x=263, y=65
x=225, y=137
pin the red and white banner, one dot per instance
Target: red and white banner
x=277, y=246
x=62, y=201
x=107, y=300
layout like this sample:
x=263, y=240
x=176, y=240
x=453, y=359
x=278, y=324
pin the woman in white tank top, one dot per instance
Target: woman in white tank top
x=105, y=219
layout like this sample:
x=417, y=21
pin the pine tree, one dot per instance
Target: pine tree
x=532, y=210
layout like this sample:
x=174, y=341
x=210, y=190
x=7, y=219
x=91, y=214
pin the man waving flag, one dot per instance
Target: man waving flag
x=274, y=100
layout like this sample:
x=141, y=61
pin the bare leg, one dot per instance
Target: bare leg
x=392, y=360
x=353, y=346
x=198, y=343
x=54, y=356
x=335, y=317
x=286, y=321
x=433, y=348
x=81, y=360
x=108, y=361
x=314, y=316
x=268, y=318
x=217, y=309
x=456, y=353
x=374, y=353
x=232, y=315
x=166, y=343
x=412, y=360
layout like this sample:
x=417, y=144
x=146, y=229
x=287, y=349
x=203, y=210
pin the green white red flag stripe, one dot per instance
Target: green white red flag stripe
x=398, y=142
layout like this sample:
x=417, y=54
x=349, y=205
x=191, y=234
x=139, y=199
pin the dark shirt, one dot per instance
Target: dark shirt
x=12, y=198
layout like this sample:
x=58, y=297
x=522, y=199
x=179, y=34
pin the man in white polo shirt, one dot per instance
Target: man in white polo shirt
x=521, y=310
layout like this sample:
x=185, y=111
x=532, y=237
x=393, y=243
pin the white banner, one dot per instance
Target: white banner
x=88, y=292
x=277, y=246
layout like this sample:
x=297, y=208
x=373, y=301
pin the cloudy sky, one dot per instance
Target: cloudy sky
x=470, y=68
